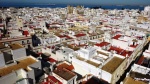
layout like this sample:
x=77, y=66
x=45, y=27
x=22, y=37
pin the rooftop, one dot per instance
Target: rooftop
x=113, y=64
x=120, y=51
x=134, y=46
x=52, y=80
x=80, y=58
x=102, y=44
x=16, y=46
x=65, y=65
x=140, y=60
x=52, y=60
x=139, y=75
x=103, y=53
x=14, y=39
x=64, y=73
x=117, y=37
x=2, y=46
x=129, y=80
x=23, y=63
x=95, y=80
x=93, y=63
x=79, y=35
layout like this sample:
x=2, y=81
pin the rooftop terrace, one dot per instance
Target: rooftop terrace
x=23, y=63
x=113, y=64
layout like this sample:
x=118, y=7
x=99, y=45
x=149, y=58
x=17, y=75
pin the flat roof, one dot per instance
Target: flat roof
x=80, y=58
x=64, y=73
x=75, y=48
x=129, y=80
x=93, y=63
x=23, y=63
x=113, y=64
x=16, y=46
x=103, y=53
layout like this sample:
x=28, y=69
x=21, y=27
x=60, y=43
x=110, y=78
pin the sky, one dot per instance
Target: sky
x=83, y=2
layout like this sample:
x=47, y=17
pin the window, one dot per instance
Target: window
x=23, y=42
x=8, y=57
x=28, y=41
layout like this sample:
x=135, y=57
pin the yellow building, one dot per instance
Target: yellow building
x=69, y=9
x=19, y=22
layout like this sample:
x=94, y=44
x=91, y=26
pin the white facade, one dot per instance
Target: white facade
x=2, y=60
x=19, y=53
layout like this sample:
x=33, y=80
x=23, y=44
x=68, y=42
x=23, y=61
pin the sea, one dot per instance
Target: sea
x=119, y=7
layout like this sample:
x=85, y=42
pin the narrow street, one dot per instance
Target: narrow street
x=128, y=69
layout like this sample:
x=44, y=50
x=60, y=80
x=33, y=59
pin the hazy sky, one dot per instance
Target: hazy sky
x=96, y=2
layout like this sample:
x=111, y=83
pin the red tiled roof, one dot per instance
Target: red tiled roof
x=120, y=51
x=65, y=36
x=79, y=35
x=25, y=33
x=134, y=46
x=64, y=65
x=117, y=36
x=62, y=36
x=71, y=67
x=140, y=60
x=52, y=80
x=68, y=37
x=52, y=60
x=102, y=44
x=64, y=73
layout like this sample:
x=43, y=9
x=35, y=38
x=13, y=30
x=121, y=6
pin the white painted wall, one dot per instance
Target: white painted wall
x=13, y=77
x=31, y=75
x=2, y=62
x=106, y=76
x=46, y=50
x=36, y=64
x=19, y=53
x=59, y=78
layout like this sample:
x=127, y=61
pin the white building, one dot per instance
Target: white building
x=21, y=71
